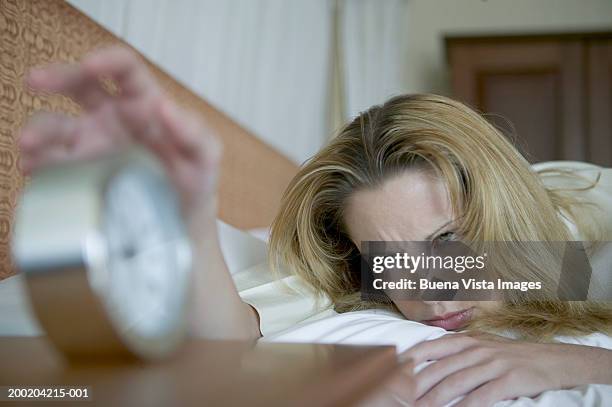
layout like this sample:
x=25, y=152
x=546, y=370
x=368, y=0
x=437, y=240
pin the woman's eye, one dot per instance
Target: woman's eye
x=446, y=237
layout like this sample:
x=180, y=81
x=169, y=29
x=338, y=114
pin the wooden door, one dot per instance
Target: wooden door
x=531, y=90
x=600, y=101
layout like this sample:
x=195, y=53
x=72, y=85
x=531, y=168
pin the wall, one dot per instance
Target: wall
x=429, y=20
x=265, y=63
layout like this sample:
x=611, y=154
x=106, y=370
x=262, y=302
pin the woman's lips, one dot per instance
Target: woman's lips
x=451, y=321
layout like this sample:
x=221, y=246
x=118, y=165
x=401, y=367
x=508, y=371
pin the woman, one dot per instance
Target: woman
x=398, y=172
x=426, y=168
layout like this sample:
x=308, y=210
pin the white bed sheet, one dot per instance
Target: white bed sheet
x=378, y=327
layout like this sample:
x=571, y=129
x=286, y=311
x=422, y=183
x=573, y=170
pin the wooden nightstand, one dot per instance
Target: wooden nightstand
x=217, y=373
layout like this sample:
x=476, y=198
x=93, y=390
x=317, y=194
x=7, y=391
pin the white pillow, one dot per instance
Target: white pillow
x=601, y=195
x=260, y=233
x=240, y=249
x=16, y=315
x=369, y=327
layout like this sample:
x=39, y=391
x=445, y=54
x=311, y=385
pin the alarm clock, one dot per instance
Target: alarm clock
x=106, y=257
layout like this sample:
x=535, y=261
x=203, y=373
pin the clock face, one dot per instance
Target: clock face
x=147, y=254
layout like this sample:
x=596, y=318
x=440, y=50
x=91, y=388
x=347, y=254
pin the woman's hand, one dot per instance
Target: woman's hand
x=137, y=112
x=489, y=369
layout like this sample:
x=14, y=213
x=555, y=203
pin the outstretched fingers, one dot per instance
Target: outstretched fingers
x=125, y=68
x=71, y=80
x=82, y=81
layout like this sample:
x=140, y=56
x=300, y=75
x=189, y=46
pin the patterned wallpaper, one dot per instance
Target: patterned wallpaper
x=31, y=33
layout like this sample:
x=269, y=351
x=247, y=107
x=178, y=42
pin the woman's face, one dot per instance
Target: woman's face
x=412, y=206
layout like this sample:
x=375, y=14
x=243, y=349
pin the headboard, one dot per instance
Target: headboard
x=35, y=32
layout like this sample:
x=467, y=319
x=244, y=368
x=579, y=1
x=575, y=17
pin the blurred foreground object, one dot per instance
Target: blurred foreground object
x=222, y=373
x=105, y=255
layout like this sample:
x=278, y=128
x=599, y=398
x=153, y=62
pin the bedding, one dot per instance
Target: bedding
x=600, y=195
x=240, y=249
x=378, y=327
x=16, y=314
x=260, y=233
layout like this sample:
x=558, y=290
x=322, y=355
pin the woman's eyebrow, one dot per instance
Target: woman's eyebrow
x=435, y=232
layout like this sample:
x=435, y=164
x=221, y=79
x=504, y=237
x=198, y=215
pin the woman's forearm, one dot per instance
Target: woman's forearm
x=217, y=311
x=596, y=364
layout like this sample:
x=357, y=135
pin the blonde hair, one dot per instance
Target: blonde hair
x=489, y=183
